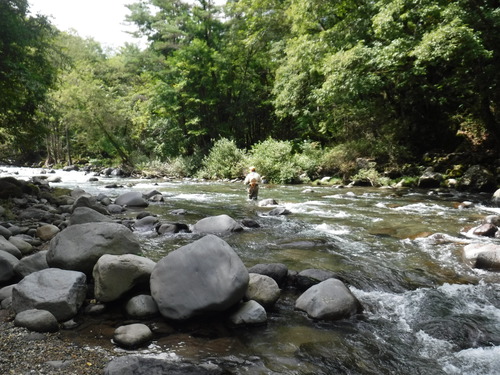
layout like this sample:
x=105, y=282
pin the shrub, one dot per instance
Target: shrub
x=225, y=160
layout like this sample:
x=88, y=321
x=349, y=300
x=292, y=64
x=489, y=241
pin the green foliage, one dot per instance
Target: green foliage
x=27, y=72
x=225, y=160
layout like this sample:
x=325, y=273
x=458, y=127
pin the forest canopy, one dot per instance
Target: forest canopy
x=385, y=80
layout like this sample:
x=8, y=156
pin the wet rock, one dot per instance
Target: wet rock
x=249, y=313
x=217, y=224
x=47, y=232
x=179, y=211
x=492, y=219
x=141, y=306
x=133, y=335
x=307, y=278
x=79, y=246
x=495, y=199
x=37, y=321
x=250, y=223
x=487, y=230
x=267, y=202
x=471, y=251
x=135, y=365
x=6, y=292
x=209, y=269
x=115, y=209
x=32, y=263
x=279, y=211
x=262, y=289
x=489, y=260
x=58, y=291
x=328, y=300
x=171, y=228
x=115, y=275
x=277, y=271
x=131, y=199
x=146, y=223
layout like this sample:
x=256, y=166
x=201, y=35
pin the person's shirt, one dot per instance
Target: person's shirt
x=252, y=177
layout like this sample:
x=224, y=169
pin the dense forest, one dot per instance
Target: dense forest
x=300, y=88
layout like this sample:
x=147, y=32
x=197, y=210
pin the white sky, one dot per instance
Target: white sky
x=103, y=20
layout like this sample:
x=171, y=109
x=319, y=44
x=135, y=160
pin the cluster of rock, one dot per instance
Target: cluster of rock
x=67, y=256
x=485, y=255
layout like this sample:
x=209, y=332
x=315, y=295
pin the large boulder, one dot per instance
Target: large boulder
x=495, y=199
x=115, y=275
x=8, y=263
x=430, y=179
x=58, y=291
x=328, y=300
x=477, y=179
x=78, y=247
x=203, y=277
x=217, y=224
x=489, y=260
x=131, y=199
x=32, y=263
x=90, y=202
x=82, y=215
x=136, y=365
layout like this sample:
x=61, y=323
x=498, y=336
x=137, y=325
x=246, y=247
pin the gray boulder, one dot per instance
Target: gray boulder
x=477, y=179
x=6, y=292
x=279, y=211
x=248, y=313
x=489, y=260
x=430, y=179
x=23, y=246
x=115, y=275
x=217, y=224
x=4, y=232
x=115, y=209
x=262, y=289
x=132, y=335
x=131, y=199
x=472, y=251
x=203, y=277
x=78, y=247
x=82, y=215
x=328, y=300
x=90, y=202
x=37, y=320
x=47, y=232
x=32, y=263
x=8, y=247
x=135, y=365
x=58, y=291
x=487, y=230
x=307, y=278
x=8, y=263
x=495, y=199
x=141, y=306
x=277, y=271
x=146, y=223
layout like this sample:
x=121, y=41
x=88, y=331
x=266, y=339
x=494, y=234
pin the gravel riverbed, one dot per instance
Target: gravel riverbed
x=23, y=352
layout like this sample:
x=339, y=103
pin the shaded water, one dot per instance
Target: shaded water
x=399, y=251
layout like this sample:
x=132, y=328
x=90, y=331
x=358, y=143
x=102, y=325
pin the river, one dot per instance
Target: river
x=426, y=311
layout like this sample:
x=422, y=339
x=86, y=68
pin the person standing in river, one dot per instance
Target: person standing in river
x=252, y=180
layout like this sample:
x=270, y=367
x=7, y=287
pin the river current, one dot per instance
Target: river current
x=426, y=310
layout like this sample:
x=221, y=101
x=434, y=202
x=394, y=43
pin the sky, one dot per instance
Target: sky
x=103, y=20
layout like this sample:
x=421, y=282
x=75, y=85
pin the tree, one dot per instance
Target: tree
x=27, y=72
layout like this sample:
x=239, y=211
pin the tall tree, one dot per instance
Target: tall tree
x=27, y=72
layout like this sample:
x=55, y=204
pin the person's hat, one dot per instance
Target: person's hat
x=252, y=169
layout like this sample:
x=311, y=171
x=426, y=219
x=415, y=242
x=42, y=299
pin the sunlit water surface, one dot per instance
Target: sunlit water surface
x=426, y=311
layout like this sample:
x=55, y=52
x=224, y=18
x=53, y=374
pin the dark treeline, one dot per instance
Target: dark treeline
x=384, y=80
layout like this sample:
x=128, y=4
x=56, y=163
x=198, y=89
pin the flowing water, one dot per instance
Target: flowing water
x=426, y=310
